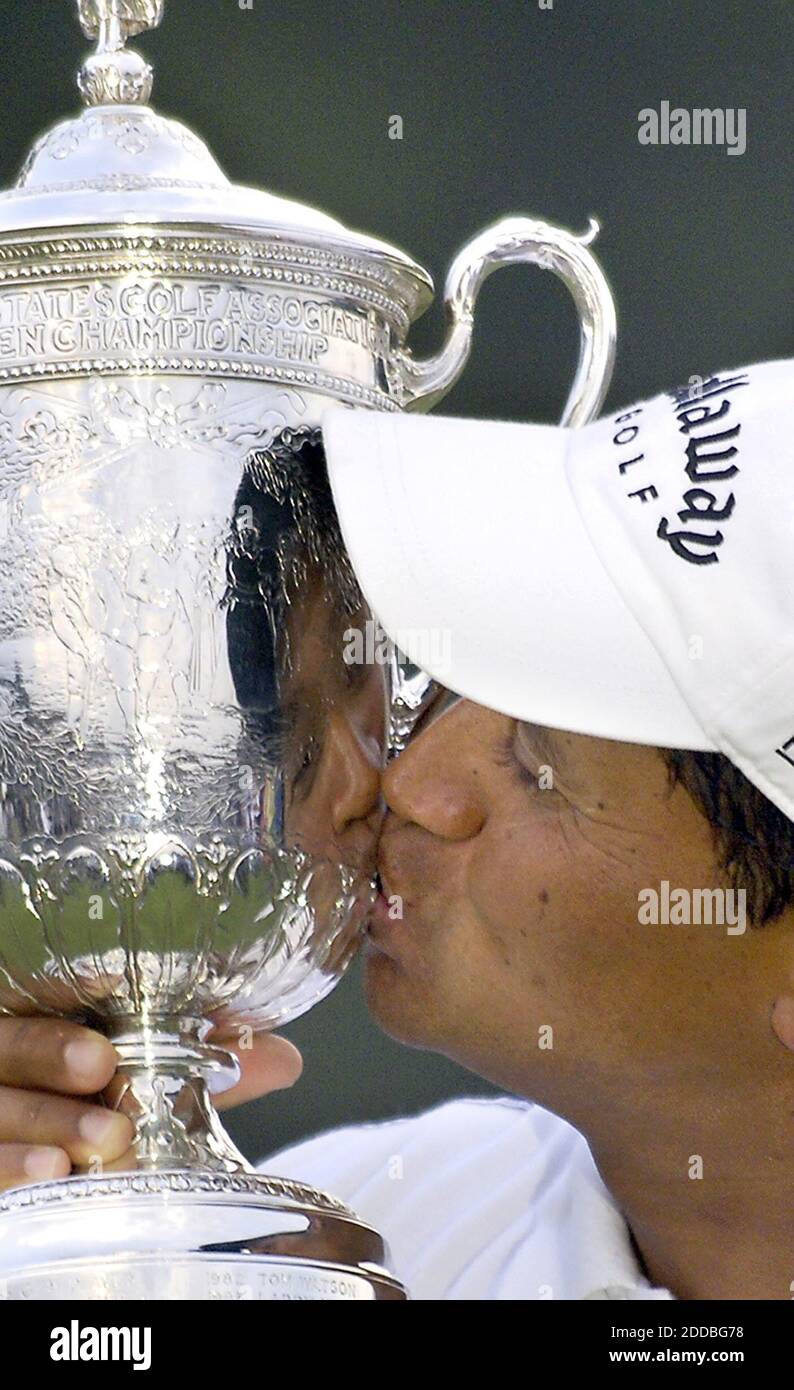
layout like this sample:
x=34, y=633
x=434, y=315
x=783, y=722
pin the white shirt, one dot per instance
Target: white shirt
x=479, y=1199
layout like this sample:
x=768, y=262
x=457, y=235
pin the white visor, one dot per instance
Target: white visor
x=631, y=580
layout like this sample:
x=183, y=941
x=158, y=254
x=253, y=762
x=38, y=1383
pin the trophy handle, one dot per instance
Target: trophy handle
x=422, y=383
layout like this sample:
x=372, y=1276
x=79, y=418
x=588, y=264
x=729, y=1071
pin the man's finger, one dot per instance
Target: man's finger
x=85, y=1132
x=24, y=1163
x=55, y=1055
x=270, y=1063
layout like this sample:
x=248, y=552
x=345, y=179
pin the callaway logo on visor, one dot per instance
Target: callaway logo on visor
x=633, y=579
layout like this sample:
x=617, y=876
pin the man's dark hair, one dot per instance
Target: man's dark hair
x=753, y=839
x=284, y=524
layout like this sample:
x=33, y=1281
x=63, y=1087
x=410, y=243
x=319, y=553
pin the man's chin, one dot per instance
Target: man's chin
x=397, y=1006
x=413, y=1014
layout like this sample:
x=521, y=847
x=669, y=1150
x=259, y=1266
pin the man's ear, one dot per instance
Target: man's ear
x=783, y=1020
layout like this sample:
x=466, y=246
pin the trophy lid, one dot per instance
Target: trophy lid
x=121, y=163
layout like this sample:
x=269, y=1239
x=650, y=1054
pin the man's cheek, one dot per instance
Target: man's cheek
x=521, y=878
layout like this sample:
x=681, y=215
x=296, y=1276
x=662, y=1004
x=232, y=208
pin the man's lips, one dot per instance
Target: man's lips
x=383, y=914
x=401, y=884
x=379, y=918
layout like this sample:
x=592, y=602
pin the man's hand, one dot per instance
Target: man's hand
x=51, y=1073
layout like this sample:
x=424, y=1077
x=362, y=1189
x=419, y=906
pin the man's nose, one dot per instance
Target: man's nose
x=355, y=762
x=433, y=783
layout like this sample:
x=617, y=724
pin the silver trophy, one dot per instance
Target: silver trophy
x=188, y=789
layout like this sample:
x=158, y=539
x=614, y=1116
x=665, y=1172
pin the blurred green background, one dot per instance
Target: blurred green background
x=506, y=107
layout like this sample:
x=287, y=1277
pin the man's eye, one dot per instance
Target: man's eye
x=509, y=755
x=304, y=766
x=524, y=750
x=309, y=755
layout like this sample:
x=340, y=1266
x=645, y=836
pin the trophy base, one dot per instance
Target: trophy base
x=187, y=1235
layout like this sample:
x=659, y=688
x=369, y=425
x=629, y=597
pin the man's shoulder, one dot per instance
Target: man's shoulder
x=476, y=1197
x=455, y=1131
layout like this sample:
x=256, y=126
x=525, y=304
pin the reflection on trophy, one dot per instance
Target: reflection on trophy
x=189, y=797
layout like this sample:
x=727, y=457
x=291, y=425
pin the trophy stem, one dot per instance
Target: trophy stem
x=163, y=1086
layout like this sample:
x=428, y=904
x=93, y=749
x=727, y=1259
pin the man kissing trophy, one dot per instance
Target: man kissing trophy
x=188, y=767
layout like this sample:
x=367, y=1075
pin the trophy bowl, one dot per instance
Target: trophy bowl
x=189, y=766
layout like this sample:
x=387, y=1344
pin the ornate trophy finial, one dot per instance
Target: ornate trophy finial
x=115, y=74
